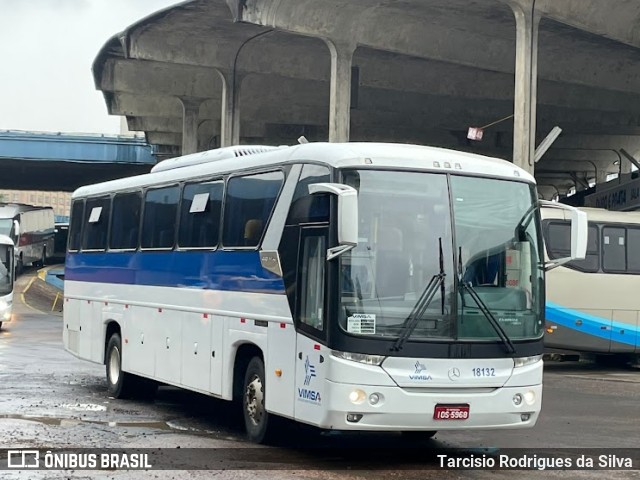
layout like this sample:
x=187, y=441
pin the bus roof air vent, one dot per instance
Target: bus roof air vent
x=211, y=156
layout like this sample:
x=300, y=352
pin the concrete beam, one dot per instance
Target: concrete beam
x=159, y=79
x=614, y=19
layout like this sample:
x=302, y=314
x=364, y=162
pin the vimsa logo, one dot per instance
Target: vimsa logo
x=309, y=371
x=418, y=375
x=306, y=394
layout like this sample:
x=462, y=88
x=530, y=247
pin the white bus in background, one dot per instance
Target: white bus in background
x=347, y=286
x=592, y=304
x=32, y=229
x=7, y=276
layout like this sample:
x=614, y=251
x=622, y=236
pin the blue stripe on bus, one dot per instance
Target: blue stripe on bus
x=592, y=325
x=232, y=271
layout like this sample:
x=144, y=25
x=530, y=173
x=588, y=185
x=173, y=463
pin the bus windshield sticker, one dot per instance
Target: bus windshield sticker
x=199, y=203
x=95, y=214
x=364, y=323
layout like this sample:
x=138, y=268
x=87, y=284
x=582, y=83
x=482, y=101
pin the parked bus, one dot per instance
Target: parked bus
x=591, y=304
x=31, y=229
x=7, y=276
x=346, y=286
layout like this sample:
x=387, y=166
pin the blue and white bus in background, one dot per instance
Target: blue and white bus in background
x=7, y=277
x=372, y=287
x=592, y=306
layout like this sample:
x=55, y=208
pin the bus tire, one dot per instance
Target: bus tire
x=256, y=417
x=119, y=383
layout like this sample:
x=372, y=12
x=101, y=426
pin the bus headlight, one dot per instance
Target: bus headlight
x=3, y=304
x=530, y=397
x=359, y=357
x=357, y=396
x=524, y=361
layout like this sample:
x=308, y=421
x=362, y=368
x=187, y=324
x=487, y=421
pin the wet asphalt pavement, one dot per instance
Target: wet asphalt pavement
x=50, y=399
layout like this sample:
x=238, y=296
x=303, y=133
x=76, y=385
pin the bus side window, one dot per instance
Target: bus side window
x=312, y=279
x=96, y=224
x=248, y=205
x=200, y=214
x=125, y=221
x=159, y=217
x=75, y=229
x=307, y=208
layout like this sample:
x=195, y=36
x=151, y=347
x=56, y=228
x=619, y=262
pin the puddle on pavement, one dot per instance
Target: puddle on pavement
x=68, y=422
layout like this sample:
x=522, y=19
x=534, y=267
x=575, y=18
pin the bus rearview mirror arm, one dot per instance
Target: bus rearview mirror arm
x=579, y=232
x=347, y=215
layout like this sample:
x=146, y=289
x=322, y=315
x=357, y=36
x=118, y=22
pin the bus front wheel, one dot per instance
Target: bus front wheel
x=121, y=384
x=256, y=417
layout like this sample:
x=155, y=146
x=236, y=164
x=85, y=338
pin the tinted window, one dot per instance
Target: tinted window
x=614, y=250
x=314, y=252
x=249, y=202
x=75, y=228
x=558, y=243
x=96, y=224
x=200, y=214
x=125, y=224
x=159, y=219
x=307, y=208
x=633, y=247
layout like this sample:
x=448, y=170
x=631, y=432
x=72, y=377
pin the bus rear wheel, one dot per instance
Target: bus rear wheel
x=256, y=417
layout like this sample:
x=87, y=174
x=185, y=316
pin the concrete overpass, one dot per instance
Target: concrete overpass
x=63, y=162
x=207, y=73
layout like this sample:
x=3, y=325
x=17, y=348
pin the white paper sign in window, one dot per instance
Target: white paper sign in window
x=199, y=203
x=95, y=214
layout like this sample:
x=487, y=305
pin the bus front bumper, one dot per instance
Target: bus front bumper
x=403, y=409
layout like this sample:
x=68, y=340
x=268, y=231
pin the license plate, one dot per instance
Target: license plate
x=451, y=412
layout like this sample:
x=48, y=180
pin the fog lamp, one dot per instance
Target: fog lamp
x=354, y=417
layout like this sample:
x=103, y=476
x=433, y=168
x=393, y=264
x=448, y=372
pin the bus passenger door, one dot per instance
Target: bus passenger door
x=310, y=320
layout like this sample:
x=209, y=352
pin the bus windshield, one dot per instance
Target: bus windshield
x=6, y=279
x=5, y=226
x=407, y=225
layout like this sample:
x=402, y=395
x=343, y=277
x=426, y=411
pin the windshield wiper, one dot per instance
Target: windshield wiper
x=411, y=322
x=483, y=307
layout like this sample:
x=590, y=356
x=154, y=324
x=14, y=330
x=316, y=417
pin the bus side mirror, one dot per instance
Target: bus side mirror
x=16, y=228
x=347, y=215
x=579, y=232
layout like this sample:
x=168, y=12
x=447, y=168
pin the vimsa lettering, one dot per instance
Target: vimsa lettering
x=309, y=395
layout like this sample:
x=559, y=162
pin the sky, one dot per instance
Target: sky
x=47, y=48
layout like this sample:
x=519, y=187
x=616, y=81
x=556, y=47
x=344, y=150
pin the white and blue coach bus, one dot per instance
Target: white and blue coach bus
x=347, y=286
x=591, y=305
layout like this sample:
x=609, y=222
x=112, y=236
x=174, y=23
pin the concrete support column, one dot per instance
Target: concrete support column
x=526, y=80
x=601, y=176
x=230, y=117
x=340, y=93
x=190, y=111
